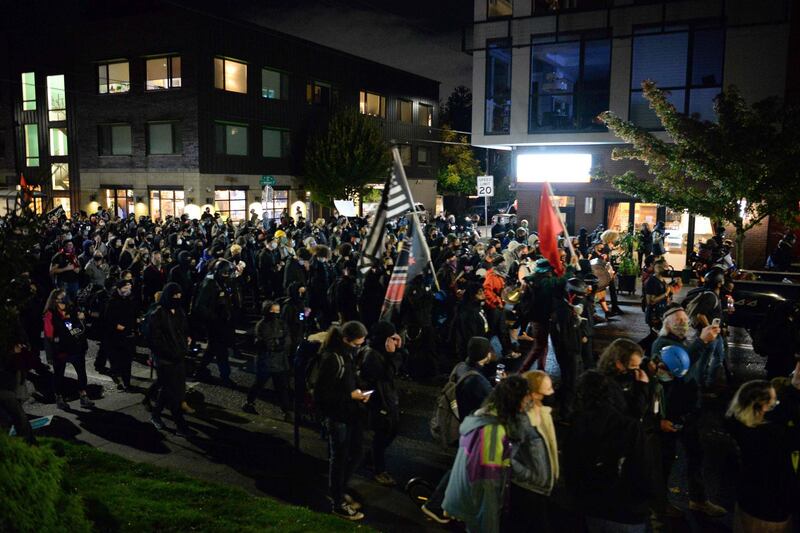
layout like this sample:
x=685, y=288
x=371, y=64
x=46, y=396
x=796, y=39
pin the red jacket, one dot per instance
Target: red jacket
x=493, y=287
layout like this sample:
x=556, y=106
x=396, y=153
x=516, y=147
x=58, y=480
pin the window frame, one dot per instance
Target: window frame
x=29, y=158
x=177, y=141
x=400, y=102
x=285, y=142
x=420, y=107
x=56, y=111
x=333, y=93
x=508, y=45
x=429, y=152
x=108, y=84
x=24, y=84
x=363, y=99
x=498, y=17
x=170, y=73
x=225, y=124
x=225, y=78
x=410, y=150
x=283, y=81
x=276, y=211
x=567, y=38
x=161, y=189
x=691, y=28
x=101, y=145
x=52, y=145
x=228, y=191
x=60, y=165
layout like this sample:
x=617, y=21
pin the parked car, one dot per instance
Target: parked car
x=422, y=213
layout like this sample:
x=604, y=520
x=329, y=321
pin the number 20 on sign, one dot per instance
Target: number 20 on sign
x=485, y=186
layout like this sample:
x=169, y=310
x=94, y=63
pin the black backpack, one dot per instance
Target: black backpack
x=445, y=421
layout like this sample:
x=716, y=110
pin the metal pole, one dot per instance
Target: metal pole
x=486, y=200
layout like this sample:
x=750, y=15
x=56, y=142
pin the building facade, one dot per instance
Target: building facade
x=543, y=70
x=157, y=109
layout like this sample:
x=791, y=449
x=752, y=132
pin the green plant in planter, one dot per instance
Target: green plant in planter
x=627, y=266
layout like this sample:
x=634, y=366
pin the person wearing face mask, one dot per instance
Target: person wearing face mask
x=703, y=309
x=381, y=362
x=534, y=457
x=274, y=343
x=339, y=400
x=621, y=362
x=65, y=333
x=296, y=269
x=658, y=294
x=169, y=341
x=213, y=311
x=677, y=399
x=64, y=267
x=320, y=279
x=153, y=278
x=119, y=318
x=96, y=270
x=181, y=274
x=266, y=264
x=471, y=320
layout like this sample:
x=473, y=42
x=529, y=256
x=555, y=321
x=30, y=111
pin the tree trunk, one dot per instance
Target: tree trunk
x=740, y=247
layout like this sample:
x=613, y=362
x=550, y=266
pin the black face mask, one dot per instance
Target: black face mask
x=549, y=401
x=172, y=303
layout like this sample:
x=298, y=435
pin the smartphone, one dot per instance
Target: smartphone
x=715, y=322
x=367, y=393
x=301, y=315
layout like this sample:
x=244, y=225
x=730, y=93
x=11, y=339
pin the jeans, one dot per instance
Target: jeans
x=71, y=288
x=78, y=362
x=538, y=352
x=600, y=525
x=717, y=348
x=345, y=446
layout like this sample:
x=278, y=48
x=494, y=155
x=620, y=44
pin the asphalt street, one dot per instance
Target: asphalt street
x=256, y=452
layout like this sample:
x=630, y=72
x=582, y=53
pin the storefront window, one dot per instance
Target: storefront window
x=618, y=215
x=677, y=225
x=231, y=203
x=166, y=202
x=119, y=202
x=278, y=204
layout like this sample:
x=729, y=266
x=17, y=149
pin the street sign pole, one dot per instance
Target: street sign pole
x=485, y=186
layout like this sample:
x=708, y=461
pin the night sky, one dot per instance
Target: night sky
x=419, y=36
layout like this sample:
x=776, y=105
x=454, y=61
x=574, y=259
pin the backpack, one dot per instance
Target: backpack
x=331, y=293
x=313, y=368
x=445, y=421
x=690, y=302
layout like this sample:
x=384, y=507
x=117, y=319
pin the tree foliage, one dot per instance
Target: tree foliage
x=458, y=166
x=457, y=110
x=738, y=170
x=349, y=154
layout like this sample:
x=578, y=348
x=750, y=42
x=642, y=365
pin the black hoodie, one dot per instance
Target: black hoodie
x=168, y=329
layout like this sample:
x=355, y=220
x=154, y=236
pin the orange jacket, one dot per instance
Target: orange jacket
x=493, y=288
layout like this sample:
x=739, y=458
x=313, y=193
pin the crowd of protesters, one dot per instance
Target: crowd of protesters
x=488, y=312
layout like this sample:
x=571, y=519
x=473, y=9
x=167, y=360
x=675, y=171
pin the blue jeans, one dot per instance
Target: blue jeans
x=71, y=289
x=600, y=525
x=345, y=446
x=717, y=358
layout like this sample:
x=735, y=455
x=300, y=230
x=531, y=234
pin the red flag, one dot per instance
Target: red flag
x=26, y=191
x=549, y=228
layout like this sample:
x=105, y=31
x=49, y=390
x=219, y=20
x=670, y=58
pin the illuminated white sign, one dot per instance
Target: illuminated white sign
x=555, y=168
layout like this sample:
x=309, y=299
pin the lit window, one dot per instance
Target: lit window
x=405, y=111
x=114, y=78
x=423, y=156
x=28, y=91
x=425, y=115
x=405, y=154
x=120, y=201
x=58, y=141
x=59, y=173
x=231, y=203
x=279, y=203
x=163, y=73
x=500, y=8
x=163, y=138
x=31, y=145
x=230, y=75
x=64, y=202
x=275, y=143
x=114, y=139
x=166, y=202
x=231, y=139
x=56, y=98
x=274, y=84
x=372, y=104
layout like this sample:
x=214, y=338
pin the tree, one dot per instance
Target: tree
x=458, y=165
x=738, y=170
x=342, y=159
x=457, y=110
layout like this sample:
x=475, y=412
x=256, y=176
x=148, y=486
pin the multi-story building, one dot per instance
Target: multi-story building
x=154, y=108
x=544, y=69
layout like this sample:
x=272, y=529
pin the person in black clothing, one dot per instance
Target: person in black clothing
x=12, y=378
x=345, y=293
x=645, y=243
x=338, y=399
x=604, y=462
x=567, y=336
x=621, y=362
x=273, y=341
x=372, y=294
x=296, y=269
x=381, y=361
x=153, y=278
x=320, y=278
x=213, y=309
x=416, y=315
x=181, y=274
x=781, y=257
x=471, y=319
x=767, y=484
x=472, y=389
x=119, y=319
x=169, y=340
x=266, y=265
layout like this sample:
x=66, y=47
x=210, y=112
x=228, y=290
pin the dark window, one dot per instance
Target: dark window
x=498, y=87
x=274, y=142
x=114, y=139
x=320, y=93
x=687, y=63
x=231, y=138
x=163, y=138
x=423, y=156
x=569, y=85
x=405, y=154
x=274, y=84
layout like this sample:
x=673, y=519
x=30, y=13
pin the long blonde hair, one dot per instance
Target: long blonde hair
x=748, y=402
x=535, y=378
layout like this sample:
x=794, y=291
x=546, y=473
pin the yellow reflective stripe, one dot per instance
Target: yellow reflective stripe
x=492, y=449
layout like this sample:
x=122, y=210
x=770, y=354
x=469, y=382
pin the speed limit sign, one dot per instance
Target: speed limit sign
x=485, y=186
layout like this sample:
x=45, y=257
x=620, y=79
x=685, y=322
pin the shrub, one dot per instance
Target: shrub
x=34, y=496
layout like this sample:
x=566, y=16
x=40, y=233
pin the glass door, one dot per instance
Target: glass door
x=119, y=202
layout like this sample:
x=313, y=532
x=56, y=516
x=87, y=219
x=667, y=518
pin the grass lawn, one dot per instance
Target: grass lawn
x=120, y=495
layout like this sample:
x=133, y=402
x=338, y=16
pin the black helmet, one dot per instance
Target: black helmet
x=714, y=277
x=576, y=286
x=223, y=269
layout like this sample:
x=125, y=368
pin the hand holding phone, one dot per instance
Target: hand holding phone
x=716, y=322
